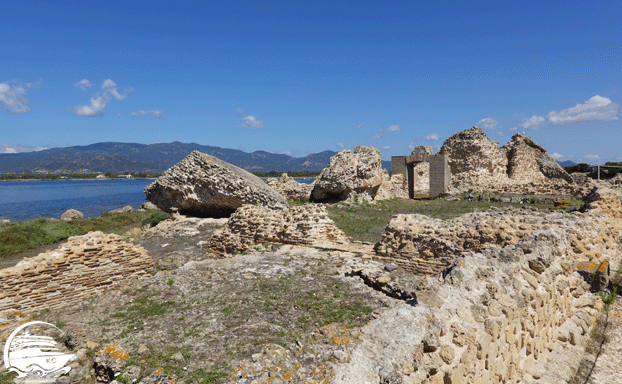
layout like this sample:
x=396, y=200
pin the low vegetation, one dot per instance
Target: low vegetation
x=19, y=237
x=366, y=222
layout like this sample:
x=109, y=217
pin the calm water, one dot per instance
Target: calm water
x=26, y=200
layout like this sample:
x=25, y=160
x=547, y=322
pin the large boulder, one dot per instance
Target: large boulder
x=350, y=174
x=290, y=188
x=205, y=186
x=71, y=214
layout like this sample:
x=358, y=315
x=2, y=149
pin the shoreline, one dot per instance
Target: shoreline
x=107, y=179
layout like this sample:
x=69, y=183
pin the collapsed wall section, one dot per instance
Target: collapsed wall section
x=251, y=225
x=83, y=266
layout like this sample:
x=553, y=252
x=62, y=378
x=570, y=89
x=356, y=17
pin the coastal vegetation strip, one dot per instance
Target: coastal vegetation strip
x=19, y=237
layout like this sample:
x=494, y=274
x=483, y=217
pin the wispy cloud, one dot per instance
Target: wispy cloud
x=386, y=147
x=358, y=125
x=432, y=137
x=110, y=87
x=97, y=106
x=158, y=114
x=488, y=123
x=390, y=128
x=83, y=84
x=239, y=111
x=595, y=108
x=534, y=122
x=340, y=144
x=499, y=134
x=251, y=121
x=14, y=98
x=18, y=148
x=376, y=136
x=591, y=157
x=556, y=155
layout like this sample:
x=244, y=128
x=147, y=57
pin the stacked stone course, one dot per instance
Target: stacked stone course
x=83, y=266
x=251, y=225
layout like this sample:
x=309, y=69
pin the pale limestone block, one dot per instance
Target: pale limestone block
x=483, y=345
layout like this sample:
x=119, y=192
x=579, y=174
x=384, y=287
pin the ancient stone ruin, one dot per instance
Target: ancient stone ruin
x=290, y=188
x=351, y=174
x=250, y=225
x=205, y=186
x=83, y=266
x=522, y=166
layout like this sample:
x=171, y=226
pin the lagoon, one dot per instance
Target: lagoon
x=27, y=200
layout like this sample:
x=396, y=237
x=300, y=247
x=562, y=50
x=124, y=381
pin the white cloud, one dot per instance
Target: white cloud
x=412, y=145
x=240, y=111
x=534, y=122
x=96, y=108
x=83, y=84
x=376, y=136
x=358, y=125
x=340, y=144
x=155, y=113
x=432, y=137
x=556, y=155
x=513, y=129
x=499, y=134
x=591, y=157
x=390, y=128
x=13, y=98
x=17, y=148
x=251, y=121
x=99, y=101
x=488, y=123
x=109, y=87
x=386, y=147
x=595, y=108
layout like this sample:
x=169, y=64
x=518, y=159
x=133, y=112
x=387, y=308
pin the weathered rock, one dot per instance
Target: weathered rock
x=520, y=166
x=351, y=174
x=251, y=225
x=205, y=186
x=148, y=205
x=523, y=152
x=109, y=361
x=290, y=188
x=126, y=209
x=71, y=214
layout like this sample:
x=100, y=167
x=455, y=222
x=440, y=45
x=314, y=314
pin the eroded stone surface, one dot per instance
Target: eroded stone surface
x=250, y=225
x=205, y=186
x=350, y=174
x=290, y=188
x=520, y=166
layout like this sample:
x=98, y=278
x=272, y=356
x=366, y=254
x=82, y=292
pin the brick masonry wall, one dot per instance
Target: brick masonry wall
x=85, y=265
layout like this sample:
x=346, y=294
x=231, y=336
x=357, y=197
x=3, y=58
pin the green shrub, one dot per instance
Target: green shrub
x=154, y=219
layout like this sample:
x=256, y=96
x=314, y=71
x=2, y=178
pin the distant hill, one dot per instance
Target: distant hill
x=567, y=163
x=134, y=157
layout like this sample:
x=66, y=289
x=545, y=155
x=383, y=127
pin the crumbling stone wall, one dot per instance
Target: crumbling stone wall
x=422, y=244
x=83, y=266
x=251, y=225
x=520, y=166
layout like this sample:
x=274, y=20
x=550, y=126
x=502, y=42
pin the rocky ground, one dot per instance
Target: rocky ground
x=199, y=317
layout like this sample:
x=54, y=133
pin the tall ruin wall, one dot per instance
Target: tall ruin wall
x=85, y=265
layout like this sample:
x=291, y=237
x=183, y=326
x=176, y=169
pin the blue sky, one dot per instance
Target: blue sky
x=302, y=77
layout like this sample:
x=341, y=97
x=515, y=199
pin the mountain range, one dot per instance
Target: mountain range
x=151, y=158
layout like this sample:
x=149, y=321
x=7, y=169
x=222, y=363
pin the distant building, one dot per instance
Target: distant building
x=125, y=176
x=101, y=176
